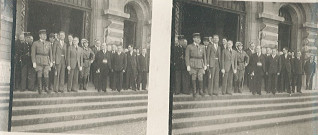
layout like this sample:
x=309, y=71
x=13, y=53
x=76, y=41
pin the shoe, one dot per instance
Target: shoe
x=74, y=90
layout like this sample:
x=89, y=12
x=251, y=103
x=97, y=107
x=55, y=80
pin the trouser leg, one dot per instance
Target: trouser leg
x=177, y=87
x=24, y=76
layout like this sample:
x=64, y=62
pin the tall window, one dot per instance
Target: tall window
x=284, y=29
x=130, y=25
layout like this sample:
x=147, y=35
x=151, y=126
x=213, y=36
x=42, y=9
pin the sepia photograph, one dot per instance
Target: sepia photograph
x=244, y=68
x=81, y=66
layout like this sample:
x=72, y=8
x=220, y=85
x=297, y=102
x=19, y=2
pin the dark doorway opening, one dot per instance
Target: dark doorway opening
x=208, y=21
x=53, y=18
x=130, y=27
x=284, y=36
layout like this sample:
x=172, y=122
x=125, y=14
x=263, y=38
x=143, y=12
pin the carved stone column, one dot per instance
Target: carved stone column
x=269, y=29
x=310, y=36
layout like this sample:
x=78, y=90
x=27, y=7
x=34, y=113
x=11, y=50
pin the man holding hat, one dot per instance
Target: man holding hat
x=88, y=59
x=196, y=62
x=242, y=62
x=41, y=54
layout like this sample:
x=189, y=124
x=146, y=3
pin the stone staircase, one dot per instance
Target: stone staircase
x=61, y=112
x=4, y=107
x=241, y=112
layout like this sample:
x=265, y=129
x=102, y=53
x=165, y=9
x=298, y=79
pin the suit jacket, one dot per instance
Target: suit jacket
x=179, y=61
x=131, y=62
x=103, y=60
x=257, y=69
x=229, y=60
x=143, y=63
x=310, y=67
x=297, y=66
x=274, y=64
x=286, y=63
x=26, y=54
x=59, y=51
x=119, y=62
x=249, y=53
x=74, y=57
x=213, y=56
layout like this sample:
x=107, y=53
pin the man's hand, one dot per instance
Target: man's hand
x=68, y=67
x=188, y=68
x=252, y=74
x=278, y=73
x=223, y=71
x=34, y=65
x=80, y=68
x=205, y=67
x=246, y=64
x=234, y=71
x=92, y=61
x=98, y=71
x=123, y=71
x=51, y=64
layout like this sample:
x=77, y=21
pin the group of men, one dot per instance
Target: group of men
x=203, y=68
x=49, y=65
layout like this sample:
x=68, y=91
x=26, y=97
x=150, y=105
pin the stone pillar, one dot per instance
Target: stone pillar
x=269, y=29
x=310, y=42
x=114, y=31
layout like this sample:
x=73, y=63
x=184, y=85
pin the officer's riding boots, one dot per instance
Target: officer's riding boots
x=39, y=85
x=46, y=85
x=201, y=88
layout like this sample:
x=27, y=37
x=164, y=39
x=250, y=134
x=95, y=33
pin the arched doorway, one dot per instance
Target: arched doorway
x=130, y=26
x=285, y=29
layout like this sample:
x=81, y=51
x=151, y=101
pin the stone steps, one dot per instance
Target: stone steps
x=62, y=112
x=227, y=114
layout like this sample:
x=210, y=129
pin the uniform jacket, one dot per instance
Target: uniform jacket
x=297, y=66
x=274, y=64
x=59, y=51
x=286, y=63
x=257, y=69
x=74, y=57
x=103, y=60
x=242, y=58
x=119, y=62
x=229, y=60
x=88, y=56
x=195, y=56
x=310, y=67
x=41, y=53
x=143, y=63
x=132, y=62
x=213, y=56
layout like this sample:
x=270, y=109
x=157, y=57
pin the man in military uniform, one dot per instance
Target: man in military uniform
x=213, y=60
x=59, y=58
x=41, y=55
x=19, y=44
x=242, y=62
x=196, y=62
x=28, y=72
x=88, y=58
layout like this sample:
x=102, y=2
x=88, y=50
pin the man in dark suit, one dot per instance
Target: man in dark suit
x=143, y=68
x=131, y=74
x=206, y=82
x=28, y=73
x=59, y=58
x=213, y=63
x=273, y=70
x=94, y=75
x=103, y=67
x=178, y=65
x=266, y=76
x=51, y=74
x=74, y=65
x=298, y=71
x=249, y=52
x=285, y=71
x=112, y=74
x=119, y=65
x=257, y=70
x=310, y=69
x=18, y=47
x=229, y=67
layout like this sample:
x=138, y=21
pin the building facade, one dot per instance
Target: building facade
x=6, y=13
x=120, y=22
x=269, y=24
